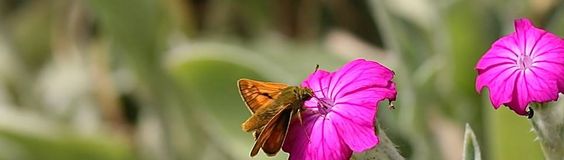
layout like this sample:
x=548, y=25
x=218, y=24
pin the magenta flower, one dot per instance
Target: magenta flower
x=340, y=119
x=523, y=67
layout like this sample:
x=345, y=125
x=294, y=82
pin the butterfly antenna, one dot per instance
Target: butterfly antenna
x=316, y=68
x=321, y=89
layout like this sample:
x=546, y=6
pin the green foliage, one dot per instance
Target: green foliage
x=174, y=65
x=27, y=146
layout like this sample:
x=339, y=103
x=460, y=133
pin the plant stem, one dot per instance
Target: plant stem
x=385, y=150
x=548, y=124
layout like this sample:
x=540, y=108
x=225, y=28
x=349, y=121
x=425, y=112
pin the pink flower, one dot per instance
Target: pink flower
x=523, y=67
x=340, y=119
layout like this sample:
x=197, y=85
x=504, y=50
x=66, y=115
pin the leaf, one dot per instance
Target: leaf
x=471, y=147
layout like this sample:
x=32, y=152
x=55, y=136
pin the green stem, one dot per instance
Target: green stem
x=385, y=150
x=548, y=124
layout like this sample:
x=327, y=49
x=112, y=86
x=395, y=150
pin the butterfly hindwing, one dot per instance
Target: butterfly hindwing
x=274, y=142
x=271, y=128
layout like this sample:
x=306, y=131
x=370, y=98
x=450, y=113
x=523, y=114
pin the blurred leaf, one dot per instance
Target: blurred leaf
x=29, y=146
x=30, y=30
x=556, y=23
x=136, y=30
x=464, y=19
x=207, y=81
x=471, y=147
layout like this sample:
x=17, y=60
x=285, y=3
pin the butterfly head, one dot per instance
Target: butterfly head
x=304, y=93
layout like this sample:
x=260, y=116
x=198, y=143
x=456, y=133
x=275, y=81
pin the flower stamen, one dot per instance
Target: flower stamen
x=325, y=105
x=524, y=62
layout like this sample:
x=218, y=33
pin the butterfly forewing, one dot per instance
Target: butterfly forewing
x=257, y=94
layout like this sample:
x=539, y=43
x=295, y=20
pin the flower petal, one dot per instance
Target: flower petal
x=503, y=51
x=355, y=123
x=500, y=80
x=322, y=141
x=370, y=95
x=297, y=142
x=531, y=87
x=325, y=142
x=318, y=81
x=526, y=35
x=356, y=75
x=550, y=55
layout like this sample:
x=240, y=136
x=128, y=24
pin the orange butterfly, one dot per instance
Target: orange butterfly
x=272, y=106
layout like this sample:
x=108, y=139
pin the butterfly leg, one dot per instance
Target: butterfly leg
x=302, y=124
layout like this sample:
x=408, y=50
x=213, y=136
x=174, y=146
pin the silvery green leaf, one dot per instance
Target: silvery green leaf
x=471, y=147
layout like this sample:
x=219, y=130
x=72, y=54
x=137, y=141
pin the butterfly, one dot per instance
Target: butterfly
x=273, y=106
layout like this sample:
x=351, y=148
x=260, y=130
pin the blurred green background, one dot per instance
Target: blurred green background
x=147, y=79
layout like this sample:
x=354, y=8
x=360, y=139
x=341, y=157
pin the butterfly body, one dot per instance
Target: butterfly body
x=289, y=99
x=272, y=106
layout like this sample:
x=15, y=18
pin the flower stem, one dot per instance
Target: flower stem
x=385, y=150
x=548, y=124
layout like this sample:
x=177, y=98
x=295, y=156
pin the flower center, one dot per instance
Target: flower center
x=524, y=62
x=325, y=105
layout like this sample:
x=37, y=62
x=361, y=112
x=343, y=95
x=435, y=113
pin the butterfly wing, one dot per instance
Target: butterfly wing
x=274, y=142
x=257, y=94
x=257, y=132
x=274, y=127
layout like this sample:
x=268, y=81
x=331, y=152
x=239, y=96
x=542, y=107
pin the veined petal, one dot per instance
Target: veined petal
x=500, y=81
x=321, y=140
x=530, y=87
x=370, y=95
x=326, y=143
x=357, y=74
x=545, y=43
x=503, y=51
x=355, y=124
x=318, y=82
x=297, y=140
x=526, y=35
x=550, y=57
